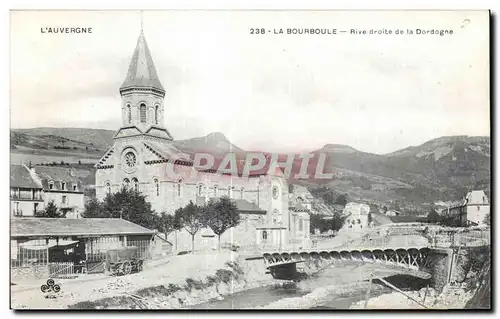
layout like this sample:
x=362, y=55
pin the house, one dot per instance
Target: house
x=393, y=212
x=32, y=188
x=61, y=186
x=40, y=245
x=478, y=207
x=26, y=194
x=357, y=217
x=469, y=211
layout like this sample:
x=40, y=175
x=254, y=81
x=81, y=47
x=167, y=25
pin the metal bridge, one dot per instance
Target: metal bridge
x=416, y=261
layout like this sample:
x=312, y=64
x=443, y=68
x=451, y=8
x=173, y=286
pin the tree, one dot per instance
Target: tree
x=341, y=200
x=220, y=215
x=93, y=209
x=167, y=224
x=127, y=204
x=50, y=211
x=190, y=217
x=487, y=219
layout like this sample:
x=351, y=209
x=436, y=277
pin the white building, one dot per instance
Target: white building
x=478, y=206
x=357, y=217
x=31, y=189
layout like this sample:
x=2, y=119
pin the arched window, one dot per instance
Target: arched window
x=242, y=190
x=156, y=114
x=129, y=113
x=264, y=234
x=200, y=188
x=179, y=188
x=126, y=182
x=229, y=191
x=142, y=111
x=157, y=186
x=108, y=187
x=215, y=191
x=136, y=184
x=63, y=186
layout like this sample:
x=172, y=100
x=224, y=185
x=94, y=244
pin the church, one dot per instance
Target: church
x=142, y=154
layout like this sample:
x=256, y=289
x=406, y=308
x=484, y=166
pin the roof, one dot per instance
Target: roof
x=270, y=226
x=21, y=177
x=57, y=175
x=245, y=206
x=142, y=72
x=477, y=198
x=33, y=227
x=242, y=205
x=406, y=219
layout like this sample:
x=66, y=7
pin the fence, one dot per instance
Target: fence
x=63, y=269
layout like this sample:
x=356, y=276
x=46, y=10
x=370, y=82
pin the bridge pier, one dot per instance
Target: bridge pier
x=285, y=271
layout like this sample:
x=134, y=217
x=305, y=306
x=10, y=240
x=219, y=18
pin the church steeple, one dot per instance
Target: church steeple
x=142, y=72
x=142, y=94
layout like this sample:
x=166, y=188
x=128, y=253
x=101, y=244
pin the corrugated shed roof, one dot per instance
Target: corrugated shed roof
x=21, y=177
x=23, y=227
x=142, y=72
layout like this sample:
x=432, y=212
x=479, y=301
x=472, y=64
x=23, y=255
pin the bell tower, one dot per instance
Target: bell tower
x=142, y=94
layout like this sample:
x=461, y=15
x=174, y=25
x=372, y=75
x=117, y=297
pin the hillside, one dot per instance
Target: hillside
x=93, y=137
x=410, y=179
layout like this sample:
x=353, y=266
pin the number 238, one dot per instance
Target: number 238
x=258, y=31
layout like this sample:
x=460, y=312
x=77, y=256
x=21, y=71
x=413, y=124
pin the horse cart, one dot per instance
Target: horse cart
x=123, y=261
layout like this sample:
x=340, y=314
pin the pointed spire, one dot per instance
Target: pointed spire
x=142, y=72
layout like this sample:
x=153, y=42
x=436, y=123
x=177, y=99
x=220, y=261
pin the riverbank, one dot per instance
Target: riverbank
x=175, y=282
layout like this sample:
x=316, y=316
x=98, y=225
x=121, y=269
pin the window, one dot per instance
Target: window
x=478, y=208
x=275, y=192
x=229, y=191
x=17, y=212
x=108, y=187
x=200, y=188
x=156, y=114
x=126, y=182
x=179, y=188
x=63, y=186
x=142, y=111
x=242, y=190
x=264, y=235
x=51, y=185
x=63, y=199
x=359, y=221
x=35, y=206
x=215, y=191
x=74, y=187
x=157, y=186
x=129, y=114
x=136, y=184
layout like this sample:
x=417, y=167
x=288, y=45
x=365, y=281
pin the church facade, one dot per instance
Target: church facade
x=142, y=157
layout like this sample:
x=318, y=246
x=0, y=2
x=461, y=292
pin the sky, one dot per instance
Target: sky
x=376, y=93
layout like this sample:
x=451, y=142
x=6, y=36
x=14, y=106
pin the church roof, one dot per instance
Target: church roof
x=142, y=72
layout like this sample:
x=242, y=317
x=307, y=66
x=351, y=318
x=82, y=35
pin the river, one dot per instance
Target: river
x=333, y=288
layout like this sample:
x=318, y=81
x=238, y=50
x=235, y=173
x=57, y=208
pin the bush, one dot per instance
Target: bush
x=224, y=275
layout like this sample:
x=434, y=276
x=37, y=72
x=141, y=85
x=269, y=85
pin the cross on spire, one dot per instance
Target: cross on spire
x=141, y=21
